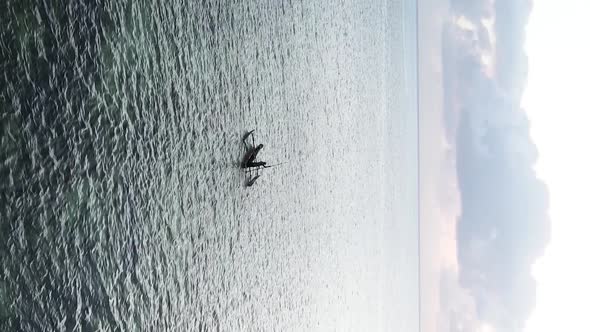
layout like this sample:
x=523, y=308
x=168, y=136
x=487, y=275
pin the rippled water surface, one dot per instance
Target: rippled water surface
x=123, y=207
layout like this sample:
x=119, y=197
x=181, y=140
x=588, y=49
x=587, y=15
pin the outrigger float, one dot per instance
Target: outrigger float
x=252, y=167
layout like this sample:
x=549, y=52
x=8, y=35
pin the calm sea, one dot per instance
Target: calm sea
x=122, y=206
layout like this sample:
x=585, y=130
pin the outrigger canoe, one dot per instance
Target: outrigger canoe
x=249, y=164
x=251, y=172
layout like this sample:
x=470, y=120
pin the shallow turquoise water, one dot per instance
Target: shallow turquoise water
x=123, y=208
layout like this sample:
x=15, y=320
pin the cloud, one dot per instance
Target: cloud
x=511, y=18
x=503, y=226
x=474, y=10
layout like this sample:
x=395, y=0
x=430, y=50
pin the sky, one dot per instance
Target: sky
x=503, y=119
x=556, y=100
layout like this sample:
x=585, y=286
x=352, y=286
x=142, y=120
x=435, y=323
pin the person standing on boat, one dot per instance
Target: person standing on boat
x=251, y=162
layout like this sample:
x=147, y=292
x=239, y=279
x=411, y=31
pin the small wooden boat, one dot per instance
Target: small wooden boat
x=250, y=165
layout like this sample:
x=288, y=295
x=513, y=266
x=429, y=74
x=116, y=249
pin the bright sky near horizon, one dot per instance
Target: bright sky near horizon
x=557, y=101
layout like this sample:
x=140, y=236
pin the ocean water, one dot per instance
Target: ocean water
x=122, y=204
